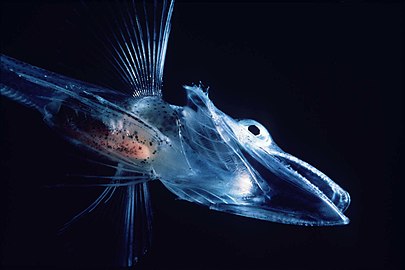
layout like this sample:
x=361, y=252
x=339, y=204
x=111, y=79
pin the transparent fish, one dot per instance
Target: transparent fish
x=198, y=152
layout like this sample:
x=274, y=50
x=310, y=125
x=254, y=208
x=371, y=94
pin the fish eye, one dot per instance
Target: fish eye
x=254, y=130
x=261, y=135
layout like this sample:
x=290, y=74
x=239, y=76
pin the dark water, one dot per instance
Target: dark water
x=326, y=79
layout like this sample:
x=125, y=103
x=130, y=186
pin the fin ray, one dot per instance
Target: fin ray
x=136, y=42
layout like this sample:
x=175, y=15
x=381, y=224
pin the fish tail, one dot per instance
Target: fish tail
x=44, y=90
x=25, y=84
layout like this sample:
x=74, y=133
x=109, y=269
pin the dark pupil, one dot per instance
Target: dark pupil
x=254, y=130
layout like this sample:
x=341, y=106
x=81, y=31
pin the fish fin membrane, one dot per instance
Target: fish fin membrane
x=121, y=216
x=137, y=224
x=133, y=37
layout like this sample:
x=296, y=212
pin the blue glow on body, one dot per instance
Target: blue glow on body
x=198, y=152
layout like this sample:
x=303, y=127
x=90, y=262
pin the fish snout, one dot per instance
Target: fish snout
x=292, y=191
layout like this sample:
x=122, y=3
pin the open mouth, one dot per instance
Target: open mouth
x=297, y=193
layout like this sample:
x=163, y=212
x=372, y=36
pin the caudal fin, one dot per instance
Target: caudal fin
x=43, y=90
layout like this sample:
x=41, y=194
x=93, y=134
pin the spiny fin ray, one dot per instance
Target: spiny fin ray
x=135, y=43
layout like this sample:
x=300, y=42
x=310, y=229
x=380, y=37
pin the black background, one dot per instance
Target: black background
x=327, y=81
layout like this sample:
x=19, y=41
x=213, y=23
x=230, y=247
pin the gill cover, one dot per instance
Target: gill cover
x=236, y=171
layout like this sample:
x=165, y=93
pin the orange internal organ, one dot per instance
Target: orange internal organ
x=134, y=147
x=122, y=143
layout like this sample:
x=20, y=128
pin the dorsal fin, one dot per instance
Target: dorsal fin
x=136, y=41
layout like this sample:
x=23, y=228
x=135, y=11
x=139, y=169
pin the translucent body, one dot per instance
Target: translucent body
x=198, y=152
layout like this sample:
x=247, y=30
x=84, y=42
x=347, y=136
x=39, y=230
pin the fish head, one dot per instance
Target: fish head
x=236, y=167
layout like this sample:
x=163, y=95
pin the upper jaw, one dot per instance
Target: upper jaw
x=288, y=190
x=296, y=192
